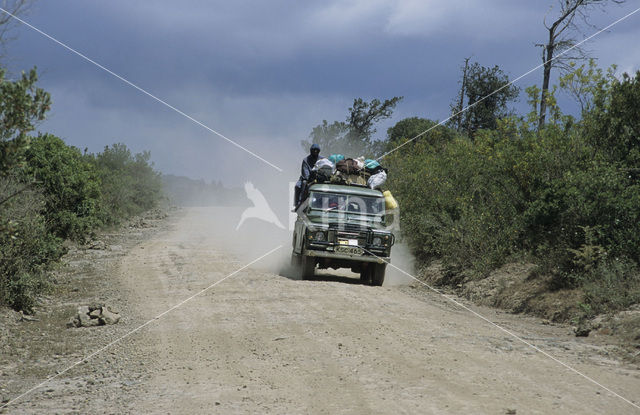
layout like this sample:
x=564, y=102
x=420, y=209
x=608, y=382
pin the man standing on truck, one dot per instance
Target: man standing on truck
x=305, y=173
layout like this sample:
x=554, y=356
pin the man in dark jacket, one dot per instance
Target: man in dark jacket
x=305, y=173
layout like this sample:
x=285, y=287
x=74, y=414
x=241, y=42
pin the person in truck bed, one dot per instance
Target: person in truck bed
x=305, y=173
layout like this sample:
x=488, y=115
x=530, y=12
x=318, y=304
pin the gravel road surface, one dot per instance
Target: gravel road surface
x=259, y=342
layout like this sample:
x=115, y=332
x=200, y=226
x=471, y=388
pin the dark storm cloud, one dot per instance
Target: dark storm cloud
x=264, y=73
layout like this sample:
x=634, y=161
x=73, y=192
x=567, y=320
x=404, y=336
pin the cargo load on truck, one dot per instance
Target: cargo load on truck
x=338, y=169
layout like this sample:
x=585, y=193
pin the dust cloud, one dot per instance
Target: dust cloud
x=401, y=258
x=250, y=237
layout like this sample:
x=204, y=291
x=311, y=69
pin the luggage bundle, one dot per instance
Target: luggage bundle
x=349, y=166
x=375, y=181
x=324, y=169
x=390, y=202
x=360, y=172
x=356, y=172
x=335, y=158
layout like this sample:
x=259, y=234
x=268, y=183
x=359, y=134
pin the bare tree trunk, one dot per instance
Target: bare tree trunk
x=568, y=9
x=462, y=92
x=547, y=56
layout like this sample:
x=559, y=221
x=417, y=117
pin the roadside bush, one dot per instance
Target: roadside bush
x=70, y=185
x=594, y=208
x=26, y=247
x=457, y=201
x=409, y=128
x=566, y=197
x=613, y=123
x=612, y=286
x=49, y=191
x=130, y=185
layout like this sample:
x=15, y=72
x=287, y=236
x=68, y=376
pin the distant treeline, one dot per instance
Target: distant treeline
x=50, y=191
x=183, y=191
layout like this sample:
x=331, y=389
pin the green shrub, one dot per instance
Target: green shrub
x=512, y=193
x=457, y=201
x=22, y=104
x=130, y=185
x=70, y=184
x=26, y=247
x=49, y=191
x=613, y=123
x=613, y=285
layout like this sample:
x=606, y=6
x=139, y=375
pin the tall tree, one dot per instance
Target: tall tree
x=354, y=136
x=487, y=92
x=456, y=110
x=22, y=105
x=363, y=115
x=328, y=136
x=572, y=15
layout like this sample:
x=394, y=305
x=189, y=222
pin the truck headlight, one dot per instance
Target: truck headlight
x=319, y=236
x=377, y=241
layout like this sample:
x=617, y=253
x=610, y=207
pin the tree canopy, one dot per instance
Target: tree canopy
x=486, y=93
x=354, y=136
x=22, y=105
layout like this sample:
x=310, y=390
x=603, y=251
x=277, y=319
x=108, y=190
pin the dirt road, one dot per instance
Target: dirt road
x=259, y=342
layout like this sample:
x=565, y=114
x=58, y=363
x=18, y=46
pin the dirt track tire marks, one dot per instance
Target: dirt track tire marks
x=263, y=343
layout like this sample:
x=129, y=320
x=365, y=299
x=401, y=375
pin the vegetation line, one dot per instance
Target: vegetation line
x=50, y=191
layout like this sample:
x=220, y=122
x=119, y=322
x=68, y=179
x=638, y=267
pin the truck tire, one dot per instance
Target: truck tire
x=377, y=274
x=365, y=274
x=307, y=267
x=296, y=264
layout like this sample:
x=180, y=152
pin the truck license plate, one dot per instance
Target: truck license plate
x=346, y=249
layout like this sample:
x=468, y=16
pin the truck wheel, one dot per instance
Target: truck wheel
x=377, y=274
x=307, y=267
x=365, y=274
x=296, y=264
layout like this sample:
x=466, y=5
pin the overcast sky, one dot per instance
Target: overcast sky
x=263, y=73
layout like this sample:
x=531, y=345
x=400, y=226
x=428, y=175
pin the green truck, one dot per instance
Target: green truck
x=342, y=226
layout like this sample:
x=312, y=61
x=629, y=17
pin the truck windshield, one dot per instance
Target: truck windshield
x=347, y=203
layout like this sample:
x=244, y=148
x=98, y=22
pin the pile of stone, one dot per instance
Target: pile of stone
x=93, y=315
x=97, y=245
